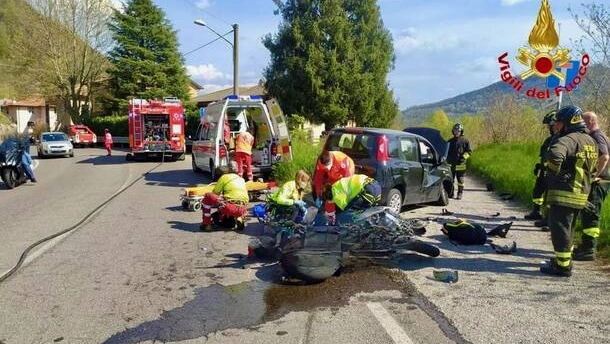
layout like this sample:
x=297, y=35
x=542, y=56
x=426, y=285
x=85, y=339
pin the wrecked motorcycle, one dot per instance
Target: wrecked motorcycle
x=315, y=253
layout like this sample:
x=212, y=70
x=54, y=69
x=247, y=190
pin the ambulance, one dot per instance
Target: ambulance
x=211, y=152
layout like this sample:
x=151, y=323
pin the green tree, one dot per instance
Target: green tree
x=330, y=60
x=147, y=63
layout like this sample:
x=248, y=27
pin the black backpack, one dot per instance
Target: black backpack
x=465, y=233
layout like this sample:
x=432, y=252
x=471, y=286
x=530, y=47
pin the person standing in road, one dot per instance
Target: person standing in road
x=459, y=152
x=108, y=142
x=590, y=214
x=26, y=160
x=243, y=153
x=571, y=165
x=539, y=186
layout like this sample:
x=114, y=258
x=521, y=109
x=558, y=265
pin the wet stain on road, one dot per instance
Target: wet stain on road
x=245, y=305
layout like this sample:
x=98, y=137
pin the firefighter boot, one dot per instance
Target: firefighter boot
x=555, y=270
x=586, y=250
x=459, y=194
x=534, y=214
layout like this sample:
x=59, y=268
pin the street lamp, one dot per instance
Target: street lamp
x=235, y=46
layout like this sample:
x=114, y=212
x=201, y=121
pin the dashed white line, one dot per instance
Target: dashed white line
x=389, y=324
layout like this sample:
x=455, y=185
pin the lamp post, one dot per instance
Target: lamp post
x=235, y=46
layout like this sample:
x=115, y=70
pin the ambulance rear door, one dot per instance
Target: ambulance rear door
x=280, y=128
x=209, y=138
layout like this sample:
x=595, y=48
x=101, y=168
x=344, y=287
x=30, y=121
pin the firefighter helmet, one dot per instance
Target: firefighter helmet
x=458, y=127
x=571, y=117
x=549, y=118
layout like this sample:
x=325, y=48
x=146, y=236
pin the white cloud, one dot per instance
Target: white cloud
x=205, y=71
x=512, y=2
x=203, y=4
x=409, y=40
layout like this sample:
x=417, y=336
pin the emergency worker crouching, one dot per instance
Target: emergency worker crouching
x=330, y=167
x=349, y=194
x=229, y=197
x=288, y=199
x=571, y=164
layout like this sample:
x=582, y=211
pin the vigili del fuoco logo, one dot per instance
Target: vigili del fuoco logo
x=544, y=58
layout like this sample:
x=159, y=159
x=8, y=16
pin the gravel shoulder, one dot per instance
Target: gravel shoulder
x=504, y=298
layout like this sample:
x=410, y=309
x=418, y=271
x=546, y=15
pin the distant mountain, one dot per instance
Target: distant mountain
x=475, y=102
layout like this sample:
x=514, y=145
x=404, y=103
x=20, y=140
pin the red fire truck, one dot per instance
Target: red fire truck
x=156, y=129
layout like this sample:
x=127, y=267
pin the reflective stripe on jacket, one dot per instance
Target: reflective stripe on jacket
x=346, y=189
x=571, y=162
x=287, y=194
x=232, y=187
x=244, y=143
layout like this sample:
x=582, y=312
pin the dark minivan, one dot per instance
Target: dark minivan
x=408, y=167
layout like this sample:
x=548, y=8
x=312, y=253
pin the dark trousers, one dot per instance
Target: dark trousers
x=562, y=230
x=459, y=174
x=591, y=212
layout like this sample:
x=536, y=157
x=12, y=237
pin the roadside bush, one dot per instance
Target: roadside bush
x=118, y=125
x=304, y=156
x=509, y=167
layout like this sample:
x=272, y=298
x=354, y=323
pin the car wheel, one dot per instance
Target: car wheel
x=443, y=199
x=394, y=200
x=194, y=164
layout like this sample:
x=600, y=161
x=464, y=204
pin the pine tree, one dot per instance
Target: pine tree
x=146, y=60
x=330, y=60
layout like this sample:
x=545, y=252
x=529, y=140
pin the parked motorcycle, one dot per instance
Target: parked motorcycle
x=11, y=169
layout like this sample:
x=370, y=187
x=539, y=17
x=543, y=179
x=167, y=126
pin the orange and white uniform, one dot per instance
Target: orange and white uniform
x=243, y=153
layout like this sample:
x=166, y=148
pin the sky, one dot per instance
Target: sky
x=443, y=48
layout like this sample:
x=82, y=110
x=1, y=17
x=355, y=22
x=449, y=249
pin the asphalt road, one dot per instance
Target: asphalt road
x=140, y=271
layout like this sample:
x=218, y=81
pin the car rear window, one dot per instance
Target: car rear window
x=356, y=146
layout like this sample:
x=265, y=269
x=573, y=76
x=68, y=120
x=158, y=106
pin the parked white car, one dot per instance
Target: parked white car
x=53, y=144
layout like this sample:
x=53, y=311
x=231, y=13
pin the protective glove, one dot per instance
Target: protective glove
x=300, y=204
x=537, y=169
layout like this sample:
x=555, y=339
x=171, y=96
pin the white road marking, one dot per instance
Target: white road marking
x=388, y=322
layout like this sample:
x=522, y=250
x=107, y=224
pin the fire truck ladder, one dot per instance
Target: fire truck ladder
x=137, y=126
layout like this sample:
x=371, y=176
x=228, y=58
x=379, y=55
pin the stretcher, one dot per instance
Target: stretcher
x=191, y=196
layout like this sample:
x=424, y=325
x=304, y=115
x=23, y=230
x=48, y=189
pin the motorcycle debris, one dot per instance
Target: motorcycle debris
x=447, y=276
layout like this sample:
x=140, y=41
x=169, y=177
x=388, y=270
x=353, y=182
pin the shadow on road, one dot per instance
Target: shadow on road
x=176, y=178
x=104, y=160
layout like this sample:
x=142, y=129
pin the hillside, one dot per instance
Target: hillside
x=478, y=101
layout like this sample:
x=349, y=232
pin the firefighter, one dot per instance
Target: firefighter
x=539, y=187
x=243, y=152
x=229, y=196
x=459, y=152
x=571, y=163
x=330, y=167
x=289, y=197
x=357, y=192
x=599, y=190
x=108, y=142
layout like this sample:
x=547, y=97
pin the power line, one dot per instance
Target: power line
x=208, y=43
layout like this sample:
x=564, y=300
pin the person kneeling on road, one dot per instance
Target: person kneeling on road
x=229, y=197
x=289, y=197
x=349, y=194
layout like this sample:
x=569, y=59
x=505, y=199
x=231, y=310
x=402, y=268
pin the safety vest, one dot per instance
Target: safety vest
x=232, y=187
x=287, y=194
x=571, y=160
x=244, y=143
x=346, y=189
